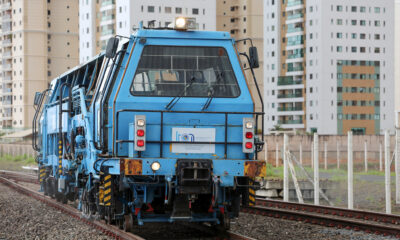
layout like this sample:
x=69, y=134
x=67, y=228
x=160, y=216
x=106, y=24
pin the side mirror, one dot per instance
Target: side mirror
x=254, y=57
x=36, y=101
x=112, y=46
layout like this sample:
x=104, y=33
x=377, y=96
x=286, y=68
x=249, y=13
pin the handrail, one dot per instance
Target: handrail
x=34, y=137
x=162, y=142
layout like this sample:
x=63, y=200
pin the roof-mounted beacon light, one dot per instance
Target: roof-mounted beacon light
x=184, y=23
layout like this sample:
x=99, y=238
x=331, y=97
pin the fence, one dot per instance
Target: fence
x=16, y=150
x=334, y=147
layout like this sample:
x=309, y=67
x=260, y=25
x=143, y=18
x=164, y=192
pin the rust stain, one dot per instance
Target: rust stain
x=131, y=166
x=255, y=169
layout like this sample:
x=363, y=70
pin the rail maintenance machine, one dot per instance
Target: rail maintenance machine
x=159, y=128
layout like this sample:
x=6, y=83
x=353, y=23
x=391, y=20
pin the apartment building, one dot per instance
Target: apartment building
x=101, y=19
x=39, y=40
x=244, y=19
x=329, y=65
x=397, y=55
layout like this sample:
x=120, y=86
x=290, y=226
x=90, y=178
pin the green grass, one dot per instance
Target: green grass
x=22, y=159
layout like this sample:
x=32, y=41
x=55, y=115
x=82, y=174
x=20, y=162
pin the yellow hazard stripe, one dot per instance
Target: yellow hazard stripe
x=43, y=174
x=252, y=198
x=107, y=191
x=107, y=184
x=107, y=177
x=108, y=198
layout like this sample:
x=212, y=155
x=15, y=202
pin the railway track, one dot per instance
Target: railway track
x=11, y=179
x=358, y=220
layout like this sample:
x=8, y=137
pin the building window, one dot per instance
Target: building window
x=339, y=22
x=168, y=10
x=377, y=50
x=178, y=10
x=362, y=35
x=339, y=8
x=362, y=49
x=377, y=9
x=353, y=22
x=377, y=36
x=377, y=23
x=195, y=11
x=339, y=49
x=339, y=35
x=362, y=9
x=362, y=22
x=354, y=9
x=353, y=49
x=150, y=9
x=48, y=73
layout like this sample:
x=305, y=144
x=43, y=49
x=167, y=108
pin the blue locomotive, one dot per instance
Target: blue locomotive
x=160, y=127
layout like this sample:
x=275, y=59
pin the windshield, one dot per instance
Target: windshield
x=169, y=71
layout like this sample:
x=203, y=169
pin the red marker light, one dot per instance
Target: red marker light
x=140, y=133
x=140, y=143
x=249, y=135
x=249, y=145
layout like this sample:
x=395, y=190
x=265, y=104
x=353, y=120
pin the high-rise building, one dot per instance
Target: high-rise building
x=244, y=19
x=397, y=55
x=39, y=40
x=101, y=19
x=329, y=65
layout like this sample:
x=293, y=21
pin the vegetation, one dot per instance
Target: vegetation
x=22, y=159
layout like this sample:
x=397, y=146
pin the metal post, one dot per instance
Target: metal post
x=397, y=166
x=316, y=170
x=350, y=170
x=325, y=156
x=301, y=154
x=312, y=155
x=266, y=153
x=387, y=173
x=285, y=169
x=276, y=155
x=380, y=156
x=337, y=155
x=365, y=157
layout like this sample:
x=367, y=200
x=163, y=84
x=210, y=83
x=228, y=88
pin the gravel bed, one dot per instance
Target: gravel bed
x=26, y=218
x=261, y=227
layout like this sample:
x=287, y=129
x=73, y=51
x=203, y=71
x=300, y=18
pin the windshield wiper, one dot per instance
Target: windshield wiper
x=172, y=103
x=211, y=92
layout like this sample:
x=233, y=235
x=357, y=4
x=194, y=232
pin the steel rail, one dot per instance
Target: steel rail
x=335, y=211
x=108, y=230
x=328, y=216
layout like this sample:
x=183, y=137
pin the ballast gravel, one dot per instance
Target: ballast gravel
x=261, y=227
x=22, y=217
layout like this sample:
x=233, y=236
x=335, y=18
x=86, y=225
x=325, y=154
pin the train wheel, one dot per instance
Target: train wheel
x=128, y=223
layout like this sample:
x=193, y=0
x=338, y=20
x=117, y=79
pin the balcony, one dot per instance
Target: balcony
x=290, y=109
x=107, y=32
x=6, y=67
x=283, y=81
x=292, y=3
x=6, y=18
x=295, y=16
x=298, y=121
x=295, y=69
x=6, y=6
x=6, y=43
x=290, y=95
x=107, y=18
x=6, y=54
x=106, y=3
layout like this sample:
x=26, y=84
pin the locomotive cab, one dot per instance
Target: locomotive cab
x=160, y=128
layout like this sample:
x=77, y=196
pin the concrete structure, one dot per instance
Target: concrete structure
x=397, y=55
x=329, y=65
x=39, y=40
x=243, y=19
x=99, y=20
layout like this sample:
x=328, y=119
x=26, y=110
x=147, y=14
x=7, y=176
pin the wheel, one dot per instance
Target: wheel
x=45, y=190
x=128, y=223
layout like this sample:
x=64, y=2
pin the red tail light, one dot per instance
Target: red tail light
x=249, y=135
x=140, y=143
x=249, y=145
x=140, y=133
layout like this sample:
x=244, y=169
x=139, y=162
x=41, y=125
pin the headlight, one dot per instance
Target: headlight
x=140, y=122
x=249, y=125
x=180, y=23
x=155, y=166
